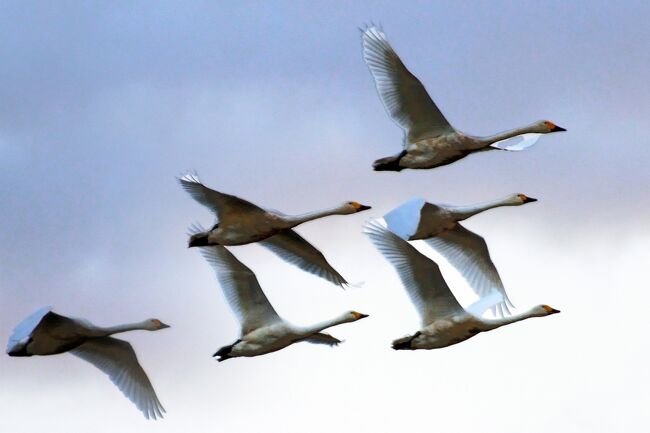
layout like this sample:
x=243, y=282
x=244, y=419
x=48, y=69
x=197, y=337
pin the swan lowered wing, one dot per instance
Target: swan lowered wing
x=403, y=95
x=420, y=275
x=117, y=359
x=293, y=248
x=241, y=289
x=469, y=254
x=228, y=208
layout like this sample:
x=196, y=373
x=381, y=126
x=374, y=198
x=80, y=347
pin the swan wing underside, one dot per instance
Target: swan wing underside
x=293, y=248
x=405, y=219
x=117, y=359
x=227, y=207
x=241, y=289
x=420, y=275
x=322, y=338
x=403, y=95
x=468, y=253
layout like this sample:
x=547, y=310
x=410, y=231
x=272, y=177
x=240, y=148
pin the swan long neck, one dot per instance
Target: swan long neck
x=318, y=327
x=294, y=220
x=497, y=323
x=464, y=212
x=110, y=330
x=491, y=139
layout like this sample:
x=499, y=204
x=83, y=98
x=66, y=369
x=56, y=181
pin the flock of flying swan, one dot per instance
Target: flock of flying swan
x=429, y=141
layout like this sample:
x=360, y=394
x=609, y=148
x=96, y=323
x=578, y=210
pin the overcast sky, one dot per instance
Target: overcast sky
x=104, y=104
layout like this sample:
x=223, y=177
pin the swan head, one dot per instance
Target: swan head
x=154, y=325
x=350, y=207
x=523, y=199
x=546, y=126
x=546, y=310
x=354, y=315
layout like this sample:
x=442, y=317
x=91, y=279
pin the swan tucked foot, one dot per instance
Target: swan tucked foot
x=406, y=342
x=390, y=163
x=225, y=351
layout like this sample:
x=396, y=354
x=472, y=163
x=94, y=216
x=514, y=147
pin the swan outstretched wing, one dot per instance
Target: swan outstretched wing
x=293, y=248
x=117, y=359
x=225, y=206
x=469, y=254
x=241, y=289
x=420, y=275
x=403, y=95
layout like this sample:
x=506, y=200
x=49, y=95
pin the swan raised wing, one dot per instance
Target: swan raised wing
x=468, y=252
x=117, y=359
x=241, y=289
x=420, y=275
x=293, y=248
x=228, y=208
x=403, y=95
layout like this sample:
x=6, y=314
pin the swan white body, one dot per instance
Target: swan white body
x=241, y=222
x=263, y=330
x=48, y=333
x=439, y=226
x=444, y=321
x=429, y=140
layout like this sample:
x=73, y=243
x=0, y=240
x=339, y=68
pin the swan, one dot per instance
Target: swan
x=444, y=321
x=48, y=333
x=438, y=226
x=241, y=222
x=262, y=329
x=429, y=140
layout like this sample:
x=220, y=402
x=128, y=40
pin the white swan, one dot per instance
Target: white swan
x=438, y=225
x=48, y=333
x=241, y=222
x=429, y=140
x=444, y=320
x=263, y=330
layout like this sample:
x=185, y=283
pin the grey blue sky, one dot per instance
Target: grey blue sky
x=104, y=104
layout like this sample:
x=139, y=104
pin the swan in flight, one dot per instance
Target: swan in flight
x=444, y=320
x=438, y=226
x=429, y=140
x=241, y=222
x=48, y=333
x=262, y=329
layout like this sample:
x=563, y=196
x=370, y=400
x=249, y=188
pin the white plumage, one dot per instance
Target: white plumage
x=444, y=320
x=263, y=330
x=241, y=222
x=429, y=139
x=47, y=333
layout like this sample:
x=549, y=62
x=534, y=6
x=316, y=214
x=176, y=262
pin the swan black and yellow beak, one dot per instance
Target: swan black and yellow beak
x=164, y=325
x=363, y=207
x=557, y=129
x=550, y=310
x=359, y=315
x=530, y=200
